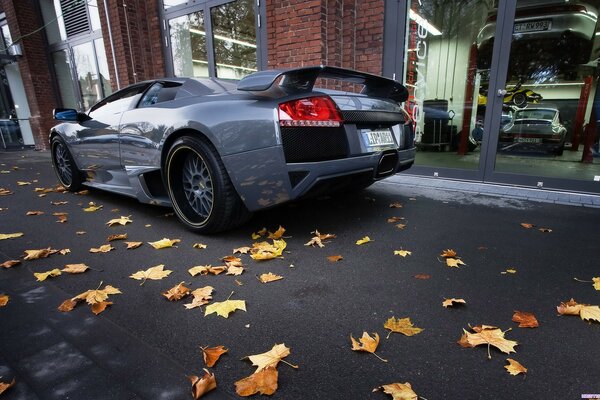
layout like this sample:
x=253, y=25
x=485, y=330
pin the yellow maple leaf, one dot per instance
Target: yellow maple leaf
x=590, y=313
x=21, y=183
x=585, y=311
x=75, y=268
x=241, y=250
x=514, y=367
x=120, y=221
x=200, y=246
x=489, y=335
x=201, y=386
x=454, y=262
x=319, y=238
x=259, y=234
x=97, y=295
x=278, y=234
x=367, y=343
x=596, y=283
x=105, y=248
x=224, y=308
x=399, y=391
x=263, y=382
x=269, y=277
x=4, y=236
x=271, y=358
x=4, y=298
x=206, y=269
x=92, y=207
x=267, y=251
x=164, y=243
x=154, y=273
x=233, y=270
x=402, y=253
x=364, y=240
x=403, y=326
x=42, y=276
x=450, y=302
x=201, y=297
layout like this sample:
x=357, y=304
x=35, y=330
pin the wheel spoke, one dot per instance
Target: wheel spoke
x=197, y=185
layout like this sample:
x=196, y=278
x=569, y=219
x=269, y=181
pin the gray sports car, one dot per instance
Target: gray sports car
x=217, y=150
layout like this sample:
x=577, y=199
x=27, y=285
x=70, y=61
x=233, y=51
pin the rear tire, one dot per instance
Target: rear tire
x=69, y=176
x=199, y=187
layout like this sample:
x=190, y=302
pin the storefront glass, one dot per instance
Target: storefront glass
x=188, y=45
x=62, y=68
x=87, y=74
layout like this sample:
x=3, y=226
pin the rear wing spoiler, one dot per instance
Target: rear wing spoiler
x=302, y=80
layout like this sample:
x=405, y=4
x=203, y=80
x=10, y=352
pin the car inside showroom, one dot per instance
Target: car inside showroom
x=506, y=91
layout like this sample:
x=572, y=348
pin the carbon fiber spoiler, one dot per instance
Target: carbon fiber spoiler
x=302, y=80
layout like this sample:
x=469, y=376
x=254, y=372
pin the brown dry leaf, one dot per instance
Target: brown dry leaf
x=270, y=277
x=41, y=253
x=5, y=192
x=278, y=234
x=335, y=258
x=263, y=382
x=393, y=220
x=402, y=253
x=92, y=207
x=62, y=217
x=42, y=276
x=95, y=298
x=241, y=250
x=396, y=205
x=177, y=292
x=267, y=251
x=29, y=213
x=4, y=298
x=75, y=268
x=239, y=283
x=120, y=221
x=450, y=302
x=154, y=273
x=211, y=354
x=4, y=236
x=399, y=391
x=367, y=343
x=454, y=262
x=585, y=311
x=527, y=225
x=201, y=386
x=525, y=319
x=133, y=245
x=403, y=326
x=364, y=240
x=67, y=305
x=5, y=386
x=449, y=253
x=422, y=276
x=97, y=308
x=10, y=263
x=225, y=308
x=232, y=261
x=271, y=358
x=233, y=270
x=105, y=248
x=206, y=269
x=121, y=236
x=319, y=238
x=545, y=230
x=201, y=297
x=164, y=243
x=200, y=246
x=490, y=335
x=514, y=367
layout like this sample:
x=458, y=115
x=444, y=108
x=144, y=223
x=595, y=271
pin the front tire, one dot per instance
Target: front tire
x=69, y=176
x=199, y=187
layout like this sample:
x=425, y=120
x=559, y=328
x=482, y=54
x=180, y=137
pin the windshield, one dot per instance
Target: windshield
x=535, y=113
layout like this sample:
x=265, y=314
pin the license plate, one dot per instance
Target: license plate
x=378, y=138
x=532, y=26
x=529, y=140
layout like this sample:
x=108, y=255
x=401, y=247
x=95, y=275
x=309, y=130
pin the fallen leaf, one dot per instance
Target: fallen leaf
x=335, y=258
x=42, y=276
x=364, y=240
x=527, y=225
x=75, y=268
x=201, y=297
x=133, y=245
x=4, y=298
x=41, y=253
x=212, y=354
x=399, y=391
x=201, y=386
x=596, y=283
x=401, y=226
x=105, y=248
x=454, y=262
x=403, y=326
x=164, y=243
x=545, y=230
x=153, y=273
x=121, y=236
x=271, y=358
x=490, y=335
x=525, y=319
x=270, y=277
x=10, y=263
x=319, y=238
x=509, y=271
x=120, y=221
x=82, y=192
x=233, y=270
x=423, y=276
x=450, y=302
x=225, y=308
x=97, y=308
x=206, y=269
x=4, y=236
x=21, y=183
x=514, y=367
x=177, y=292
x=585, y=311
x=241, y=250
x=278, y=234
x=393, y=220
x=232, y=261
x=259, y=234
x=266, y=251
x=396, y=205
x=5, y=192
x=80, y=232
x=367, y=343
x=5, y=386
x=590, y=313
x=92, y=207
x=95, y=298
x=449, y=253
x=62, y=217
x=263, y=382
x=199, y=246
x=402, y=253
x=29, y=213
x=59, y=203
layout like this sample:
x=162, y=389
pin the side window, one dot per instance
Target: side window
x=151, y=96
x=119, y=102
x=158, y=93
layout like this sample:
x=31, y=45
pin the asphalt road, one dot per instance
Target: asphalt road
x=143, y=346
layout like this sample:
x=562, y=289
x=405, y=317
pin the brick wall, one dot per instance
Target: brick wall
x=344, y=33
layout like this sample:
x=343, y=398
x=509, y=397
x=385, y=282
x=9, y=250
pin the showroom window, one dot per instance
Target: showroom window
x=213, y=39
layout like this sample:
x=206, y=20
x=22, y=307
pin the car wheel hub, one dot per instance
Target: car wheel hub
x=197, y=185
x=62, y=163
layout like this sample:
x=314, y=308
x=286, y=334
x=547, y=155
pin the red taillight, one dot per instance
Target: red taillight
x=311, y=111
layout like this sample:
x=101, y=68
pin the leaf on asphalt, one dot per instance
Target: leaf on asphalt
x=514, y=367
x=5, y=386
x=75, y=268
x=449, y=253
x=335, y=258
x=62, y=217
x=80, y=232
x=232, y=261
x=267, y=251
x=422, y=276
x=201, y=296
x=527, y=225
x=121, y=236
x=278, y=234
x=41, y=253
x=206, y=269
x=10, y=263
x=4, y=298
x=120, y=221
x=402, y=253
x=201, y=386
x=451, y=302
x=224, y=308
x=270, y=358
x=364, y=240
x=200, y=246
x=233, y=270
x=403, y=326
x=177, y=292
x=263, y=382
x=393, y=220
x=5, y=192
x=399, y=391
x=509, y=271
x=92, y=207
x=164, y=243
x=97, y=308
x=30, y=213
x=545, y=230
x=95, y=298
x=489, y=335
x=154, y=273
x=59, y=203
x=133, y=245
x=401, y=226
x=269, y=277
x=21, y=183
x=367, y=343
x=525, y=319
x=259, y=234
x=105, y=248
x=4, y=236
x=212, y=354
x=318, y=239
x=396, y=205
x=63, y=252
x=241, y=250
x=42, y=276
x=596, y=283
x=585, y=311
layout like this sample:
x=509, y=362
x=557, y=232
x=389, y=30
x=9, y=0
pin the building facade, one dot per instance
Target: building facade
x=501, y=91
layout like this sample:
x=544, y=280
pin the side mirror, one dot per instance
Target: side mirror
x=69, y=114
